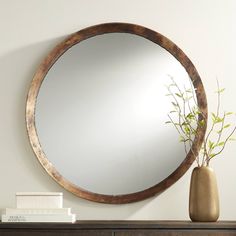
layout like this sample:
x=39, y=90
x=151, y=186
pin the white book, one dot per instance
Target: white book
x=39, y=211
x=39, y=200
x=39, y=218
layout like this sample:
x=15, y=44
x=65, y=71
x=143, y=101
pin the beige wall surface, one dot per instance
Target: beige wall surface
x=204, y=30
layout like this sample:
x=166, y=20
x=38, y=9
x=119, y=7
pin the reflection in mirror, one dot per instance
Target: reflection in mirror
x=101, y=112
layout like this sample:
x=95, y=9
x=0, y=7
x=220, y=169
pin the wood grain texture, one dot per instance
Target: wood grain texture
x=124, y=224
x=49, y=61
x=175, y=233
x=120, y=228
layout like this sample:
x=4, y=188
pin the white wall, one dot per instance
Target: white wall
x=205, y=30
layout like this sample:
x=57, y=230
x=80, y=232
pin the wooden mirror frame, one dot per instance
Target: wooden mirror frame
x=56, y=53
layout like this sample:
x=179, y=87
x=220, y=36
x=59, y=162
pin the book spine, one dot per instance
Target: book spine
x=22, y=211
x=39, y=194
x=39, y=201
x=39, y=218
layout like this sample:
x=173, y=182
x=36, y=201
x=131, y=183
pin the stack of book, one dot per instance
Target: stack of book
x=39, y=207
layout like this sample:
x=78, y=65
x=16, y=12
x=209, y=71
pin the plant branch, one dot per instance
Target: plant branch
x=225, y=142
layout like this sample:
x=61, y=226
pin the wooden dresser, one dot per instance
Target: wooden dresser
x=120, y=228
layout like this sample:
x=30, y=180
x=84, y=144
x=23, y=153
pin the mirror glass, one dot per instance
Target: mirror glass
x=101, y=111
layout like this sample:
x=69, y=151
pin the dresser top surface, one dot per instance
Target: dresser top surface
x=124, y=225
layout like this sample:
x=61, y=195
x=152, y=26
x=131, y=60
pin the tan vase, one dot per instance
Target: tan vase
x=203, y=198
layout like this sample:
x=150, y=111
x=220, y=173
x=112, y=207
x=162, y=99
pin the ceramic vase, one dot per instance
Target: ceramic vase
x=203, y=198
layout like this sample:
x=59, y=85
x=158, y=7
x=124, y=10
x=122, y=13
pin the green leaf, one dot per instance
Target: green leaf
x=221, y=144
x=212, y=155
x=202, y=123
x=174, y=104
x=190, y=116
x=220, y=90
x=210, y=144
x=197, y=112
x=219, y=131
x=229, y=113
x=182, y=139
x=168, y=122
x=232, y=139
x=227, y=126
x=188, y=98
x=218, y=120
x=186, y=129
x=172, y=111
x=179, y=95
x=213, y=115
x=188, y=91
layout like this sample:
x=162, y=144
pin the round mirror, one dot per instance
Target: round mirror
x=96, y=113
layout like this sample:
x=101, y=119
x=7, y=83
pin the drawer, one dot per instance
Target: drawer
x=177, y=232
x=46, y=232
